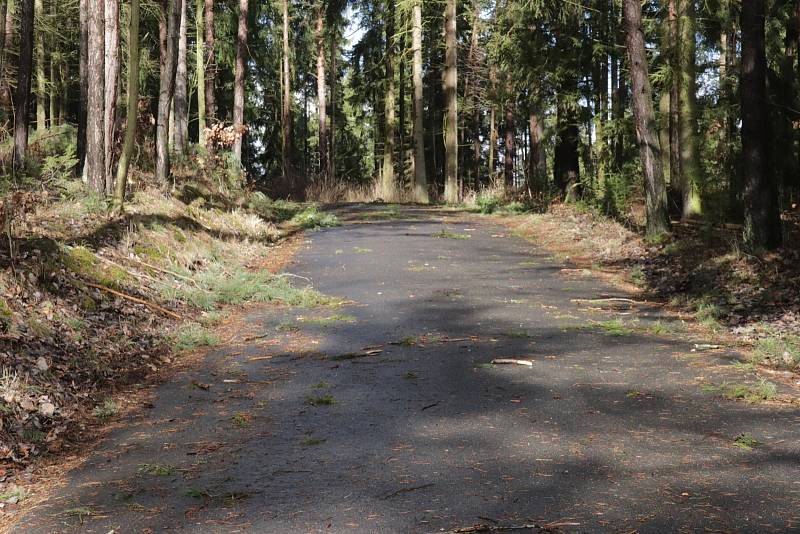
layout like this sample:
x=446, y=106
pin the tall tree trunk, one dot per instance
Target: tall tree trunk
x=3, y=49
x=538, y=153
x=644, y=118
x=286, y=104
x=691, y=171
x=200, y=69
x=402, y=107
x=53, y=92
x=22, y=99
x=566, y=165
x=239, y=82
x=132, y=107
x=492, y=144
x=451, y=192
x=168, y=38
x=388, y=185
x=83, y=96
x=420, y=176
x=510, y=149
x=95, y=110
x=762, y=224
x=675, y=172
x=332, y=156
x=211, y=66
x=112, y=69
x=181, y=100
x=41, y=79
x=322, y=105
x=471, y=87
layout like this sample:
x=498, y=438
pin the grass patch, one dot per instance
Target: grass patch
x=192, y=336
x=761, y=392
x=360, y=250
x=310, y=442
x=778, y=350
x=106, y=410
x=381, y=215
x=320, y=385
x=745, y=442
x=450, y=235
x=14, y=495
x=241, y=420
x=157, y=470
x=321, y=400
x=408, y=341
x=613, y=327
x=409, y=376
x=312, y=218
x=326, y=321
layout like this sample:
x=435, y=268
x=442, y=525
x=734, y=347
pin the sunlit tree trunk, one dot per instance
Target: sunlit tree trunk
x=691, y=171
x=510, y=148
x=451, y=192
x=83, y=95
x=181, y=101
x=675, y=172
x=332, y=154
x=95, y=109
x=388, y=185
x=420, y=177
x=762, y=224
x=322, y=105
x=492, y=143
x=538, y=153
x=22, y=99
x=168, y=38
x=132, y=107
x=112, y=69
x=200, y=69
x=211, y=66
x=41, y=80
x=644, y=119
x=239, y=81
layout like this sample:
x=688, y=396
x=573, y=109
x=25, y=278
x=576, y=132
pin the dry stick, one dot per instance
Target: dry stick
x=500, y=528
x=612, y=299
x=510, y=361
x=131, y=298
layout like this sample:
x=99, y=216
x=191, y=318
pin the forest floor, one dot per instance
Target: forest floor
x=469, y=378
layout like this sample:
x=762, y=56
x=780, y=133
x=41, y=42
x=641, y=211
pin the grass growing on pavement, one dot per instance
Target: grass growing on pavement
x=320, y=400
x=450, y=235
x=761, y=392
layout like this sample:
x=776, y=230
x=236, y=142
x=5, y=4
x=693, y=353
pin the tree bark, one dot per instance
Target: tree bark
x=112, y=69
x=41, y=80
x=675, y=174
x=538, y=154
x=286, y=105
x=200, y=69
x=691, y=171
x=451, y=192
x=211, y=66
x=388, y=185
x=510, y=148
x=168, y=39
x=23, y=95
x=420, y=175
x=83, y=102
x=322, y=106
x=332, y=153
x=492, y=144
x=239, y=81
x=181, y=100
x=132, y=107
x=644, y=119
x=762, y=224
x=95, y=111
x=566, y=165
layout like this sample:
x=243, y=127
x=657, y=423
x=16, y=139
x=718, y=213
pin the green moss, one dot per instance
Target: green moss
x=6, y=315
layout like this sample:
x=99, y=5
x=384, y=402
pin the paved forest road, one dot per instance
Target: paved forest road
x=612, y=433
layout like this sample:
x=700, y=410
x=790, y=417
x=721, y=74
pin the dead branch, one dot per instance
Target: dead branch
x=151, y=305
x=511, y=361
x=500, y=528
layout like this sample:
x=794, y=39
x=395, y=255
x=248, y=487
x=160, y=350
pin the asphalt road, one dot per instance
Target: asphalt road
x=609, y=429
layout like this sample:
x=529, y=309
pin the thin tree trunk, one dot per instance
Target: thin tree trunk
x=23, y=95
x=420, y=176
x=675, y=173
x=239, y=82
x=112, y=69
x=286, y=107
x=211, y=66
x=200, y=69
x=322, y=105
x=168, y=38
x=54, y=85
x=762, y=224
x=538, y=154
x=451, y=193
x=3, y=49
x=492, y=144
x=510, y=149
x=95, y=139
x=83, y=100
x=644, y=118
x=402, y=108
x=388, y=185
x=332, y=157
x=471, y=85
x=132, y=107
x=691, y=171
x=181, y=100
x=41, y=80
